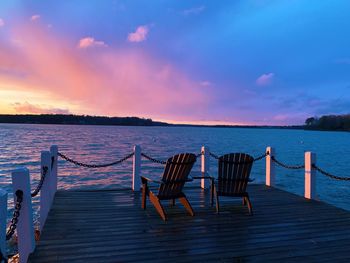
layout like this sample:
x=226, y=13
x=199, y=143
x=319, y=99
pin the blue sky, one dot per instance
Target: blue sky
x=232, y=62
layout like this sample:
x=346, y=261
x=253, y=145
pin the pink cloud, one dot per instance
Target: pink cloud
x=35, y=17
x=139, y=35
x=90, y=42
x=114, y=81
x=26, y=107
x=265, y=79
x=2, y=22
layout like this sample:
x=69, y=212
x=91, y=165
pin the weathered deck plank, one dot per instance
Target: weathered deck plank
x=110, y=226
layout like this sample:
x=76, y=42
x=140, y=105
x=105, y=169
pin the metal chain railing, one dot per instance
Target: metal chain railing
x=293, y=167
x=95, y=165
x=41, y=182
x=16, y=214
x=330, y=175
x=261, y=156
x=245, y=162
x=152, y=159
x=214, y=155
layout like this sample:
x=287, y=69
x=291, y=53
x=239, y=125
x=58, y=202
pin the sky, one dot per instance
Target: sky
x=249, y=62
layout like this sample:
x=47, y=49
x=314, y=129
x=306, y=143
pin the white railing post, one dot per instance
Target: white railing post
x=25, y=228
x=136, y=172
x=310, y=176
x=45, y=192
x=3, y=218
x=53, y=177
x=270, y=167
x=205, y=163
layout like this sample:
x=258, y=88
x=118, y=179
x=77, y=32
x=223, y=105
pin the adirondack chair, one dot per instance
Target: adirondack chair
x=233, y=177
x=175, y=175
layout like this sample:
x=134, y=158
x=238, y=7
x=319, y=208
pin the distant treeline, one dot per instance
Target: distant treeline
x=78, y=119
x=329, y=123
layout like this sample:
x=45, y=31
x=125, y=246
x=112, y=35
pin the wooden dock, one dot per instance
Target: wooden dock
x=110, y=226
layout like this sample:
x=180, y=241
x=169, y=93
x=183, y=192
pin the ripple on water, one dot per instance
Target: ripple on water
x=21, y=145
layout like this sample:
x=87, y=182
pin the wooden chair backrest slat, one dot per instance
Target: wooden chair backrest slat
x=175, y=174
x=233, y=173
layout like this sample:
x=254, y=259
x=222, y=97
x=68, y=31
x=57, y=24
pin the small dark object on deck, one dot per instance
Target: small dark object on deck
x=174, y=177
x=233, y=177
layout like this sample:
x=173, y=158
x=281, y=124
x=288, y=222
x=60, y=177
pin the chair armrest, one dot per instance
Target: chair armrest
x=251, y=180
x=144, y=180
x=201, y=175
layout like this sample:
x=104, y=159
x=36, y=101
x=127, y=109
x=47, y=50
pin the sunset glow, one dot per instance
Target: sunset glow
x=181, y=61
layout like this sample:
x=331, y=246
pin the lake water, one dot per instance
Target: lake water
x=21, y=145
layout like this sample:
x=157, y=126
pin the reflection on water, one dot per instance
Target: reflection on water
x=21, y=145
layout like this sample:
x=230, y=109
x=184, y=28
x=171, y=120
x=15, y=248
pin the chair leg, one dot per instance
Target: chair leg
x=250, y=208
x=144, y=195
x=186, y=204
x=155, y=201
x=212, y=193
x=172, y=202
x=217, y=200
x=243, y=201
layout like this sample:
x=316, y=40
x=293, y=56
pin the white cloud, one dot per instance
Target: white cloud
x=2, y=22
x=87, y=42
x=35, y=17
x=193, y=11
x=265, y=79
x=139, y=35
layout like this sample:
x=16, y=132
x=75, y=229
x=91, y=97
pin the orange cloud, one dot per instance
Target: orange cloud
x=37, y=109
x=105, y=81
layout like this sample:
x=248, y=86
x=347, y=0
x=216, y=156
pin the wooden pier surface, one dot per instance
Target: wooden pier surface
x=110, y=226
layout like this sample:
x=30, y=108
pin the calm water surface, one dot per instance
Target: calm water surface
x=21, y=145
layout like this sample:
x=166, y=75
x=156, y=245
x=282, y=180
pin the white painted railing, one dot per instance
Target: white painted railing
x=310, y=172
x=270, y=167
x=205, y=163
x=45, y=194
x=21, y=181
x=25, y=227
x=310, y=176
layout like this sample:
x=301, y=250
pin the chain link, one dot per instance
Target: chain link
x=292, y=167
x=95, y=165
x=152, y=159
x=214, y=155
x=254, y=160
x=261, y=157
x=330, y=175
x=16, y=214
x=41, y=182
